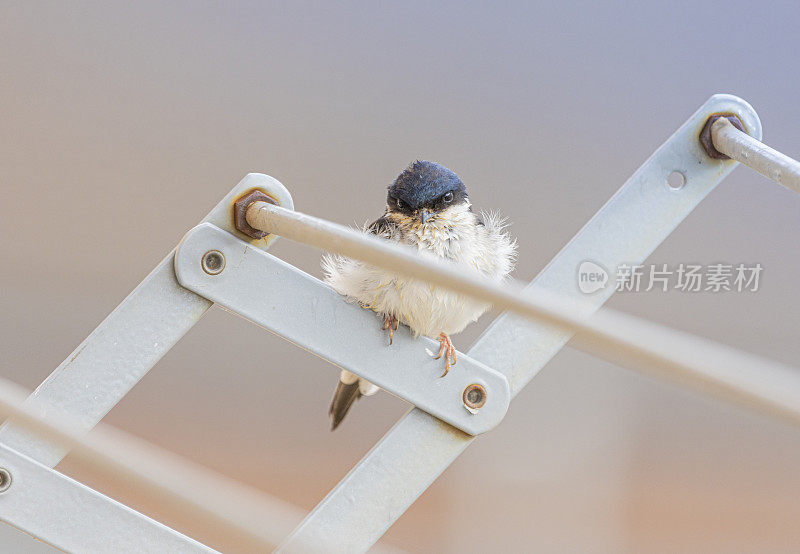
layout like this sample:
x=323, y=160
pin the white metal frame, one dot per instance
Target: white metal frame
x=422, y=444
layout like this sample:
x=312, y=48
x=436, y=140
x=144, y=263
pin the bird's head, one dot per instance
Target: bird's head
x=426, y=191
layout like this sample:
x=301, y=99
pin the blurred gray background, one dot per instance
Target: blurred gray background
x=123, y=124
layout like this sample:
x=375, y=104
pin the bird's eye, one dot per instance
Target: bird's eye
x=448, y=197
x=400, y=203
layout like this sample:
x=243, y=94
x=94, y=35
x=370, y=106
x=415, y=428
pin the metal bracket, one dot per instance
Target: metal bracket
x=305, y=311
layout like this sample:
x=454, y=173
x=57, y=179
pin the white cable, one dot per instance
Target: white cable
x=630, y=341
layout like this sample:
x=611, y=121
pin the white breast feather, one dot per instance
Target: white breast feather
x=454, y=234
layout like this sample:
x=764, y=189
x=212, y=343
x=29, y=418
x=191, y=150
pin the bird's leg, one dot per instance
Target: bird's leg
x=447, y=350
x=390, y=323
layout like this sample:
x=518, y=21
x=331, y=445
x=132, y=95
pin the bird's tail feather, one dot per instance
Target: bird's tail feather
x=343, y=398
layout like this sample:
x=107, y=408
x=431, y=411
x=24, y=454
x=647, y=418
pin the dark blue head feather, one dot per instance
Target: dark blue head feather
x=422, y=183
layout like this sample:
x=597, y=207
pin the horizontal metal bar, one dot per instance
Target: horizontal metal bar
x=626, y=230
x=74, y=518
x=302, y=309
x=229, y=511
x=130, y=341
x=755, y=154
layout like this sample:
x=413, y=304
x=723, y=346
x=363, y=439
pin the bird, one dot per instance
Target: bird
x=427, y=207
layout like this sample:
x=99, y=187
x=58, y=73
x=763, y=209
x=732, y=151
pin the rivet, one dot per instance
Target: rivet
x=213, y=262
x=474, y=397
x=5, y=479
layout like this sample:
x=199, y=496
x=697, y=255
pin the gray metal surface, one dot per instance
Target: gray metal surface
x=418, y=448
x=756, y=155
x=305, y=311
x=74, y=518
x=123, y=348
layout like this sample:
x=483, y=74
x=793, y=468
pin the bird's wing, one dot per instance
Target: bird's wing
x=381, y=226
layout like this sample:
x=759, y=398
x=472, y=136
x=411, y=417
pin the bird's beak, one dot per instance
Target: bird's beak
x=424, y=215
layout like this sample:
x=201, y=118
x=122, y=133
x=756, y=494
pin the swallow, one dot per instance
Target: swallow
x=427, y=207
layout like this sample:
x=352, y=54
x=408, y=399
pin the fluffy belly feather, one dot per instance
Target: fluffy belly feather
x=426, y=309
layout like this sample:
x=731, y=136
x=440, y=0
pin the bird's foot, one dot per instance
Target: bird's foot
x=447, y=350
x=390, y=324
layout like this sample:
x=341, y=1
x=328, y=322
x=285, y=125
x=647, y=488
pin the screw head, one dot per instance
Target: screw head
x=474, y=397
x=213, y=262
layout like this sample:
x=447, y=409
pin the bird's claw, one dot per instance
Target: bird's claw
x=447, y=350
x=390, y=323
